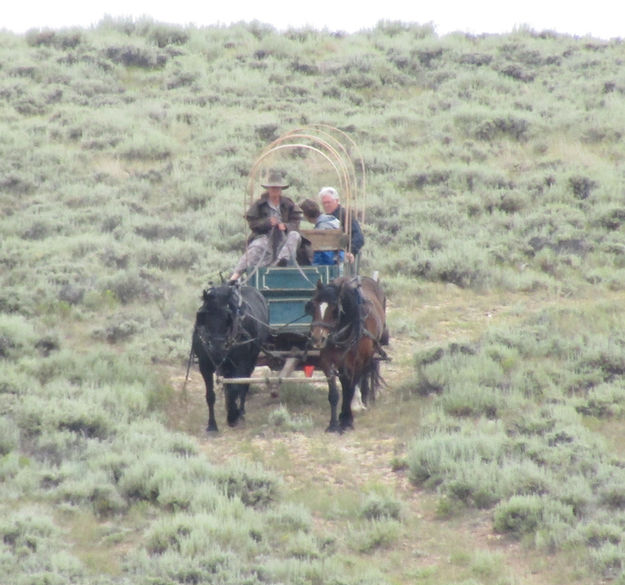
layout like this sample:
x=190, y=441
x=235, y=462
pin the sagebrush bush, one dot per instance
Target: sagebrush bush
x=609, y=561
x=17, y=336
x=526, y=515
x=290, y=517
x=375, y=535
x=605, y=400
x=381, y=506
x=9, y=436
x=129, y=286
x=281, y=418
x=253, y=485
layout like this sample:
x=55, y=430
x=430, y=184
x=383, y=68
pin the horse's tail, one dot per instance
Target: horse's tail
x=378, y=381
x=373, y=381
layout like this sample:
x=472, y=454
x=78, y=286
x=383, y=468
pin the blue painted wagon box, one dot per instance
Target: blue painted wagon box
x=287, y=290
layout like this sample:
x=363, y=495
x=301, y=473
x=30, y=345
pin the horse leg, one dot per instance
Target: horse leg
x=333, y=398
x=234, y=392
x=207, y=374
x=346, y=418
x=242, y=397
x=359, y=402
x=245, y=371
x=238, y=392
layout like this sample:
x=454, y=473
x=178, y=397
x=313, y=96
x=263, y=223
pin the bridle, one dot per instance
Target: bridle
x=348, y=336
x=342, y=337
x=237, y=335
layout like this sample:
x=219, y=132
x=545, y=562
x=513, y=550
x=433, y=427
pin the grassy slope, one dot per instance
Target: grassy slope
x=124, y=160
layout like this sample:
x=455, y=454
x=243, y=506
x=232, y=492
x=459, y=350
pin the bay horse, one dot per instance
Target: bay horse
x=349, y=327
x=230, y=328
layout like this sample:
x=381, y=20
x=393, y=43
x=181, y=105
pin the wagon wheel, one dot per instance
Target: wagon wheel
x=328, y=146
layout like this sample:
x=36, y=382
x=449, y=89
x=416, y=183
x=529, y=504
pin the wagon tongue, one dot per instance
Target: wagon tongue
x=308, y=370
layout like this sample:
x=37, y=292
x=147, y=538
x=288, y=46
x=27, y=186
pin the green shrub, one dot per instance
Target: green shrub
x=84, y=419
x=25, y=530
x=250, y=483
x=288, y=517
x=380, y=507
x=136, y=56
x=302, y=546
x=603, y=401
x=62, y=39
x=17, y=336
x=375, y=535
x=612, y=494
x=431, y=459
x=173, y=567
x=128, y=286
x=281, y=418
x=146, y=479
x=525, y=515
x=120, y=330
x=597, y=534
x=173, y=255
x=472, y=400
x=609, y=561
x=482, y=125
x=9, y=435
x=163, y=35
x=152, y=145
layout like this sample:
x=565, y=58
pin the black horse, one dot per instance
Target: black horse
x=349, y=328
x=230, y=329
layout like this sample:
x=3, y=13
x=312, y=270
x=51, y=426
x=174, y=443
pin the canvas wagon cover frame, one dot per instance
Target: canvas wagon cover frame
x=308, y=155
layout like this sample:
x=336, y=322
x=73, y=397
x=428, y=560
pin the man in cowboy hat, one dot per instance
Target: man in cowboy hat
x=274, y=220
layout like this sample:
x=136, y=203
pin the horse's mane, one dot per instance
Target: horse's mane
x=350, y=307
x=245, y=307
x=221, y=297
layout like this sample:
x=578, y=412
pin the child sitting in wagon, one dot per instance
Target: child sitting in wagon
x=322, y=221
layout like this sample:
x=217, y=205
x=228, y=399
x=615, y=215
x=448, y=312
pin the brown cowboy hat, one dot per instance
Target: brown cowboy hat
x=275, y=179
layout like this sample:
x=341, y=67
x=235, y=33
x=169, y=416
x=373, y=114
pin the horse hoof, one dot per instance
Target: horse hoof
x=235, y=421
x=346, y=422
x=334, y=428
x=347, y=425
x=212, y=429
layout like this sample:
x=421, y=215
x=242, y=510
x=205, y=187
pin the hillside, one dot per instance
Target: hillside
x=495, y=216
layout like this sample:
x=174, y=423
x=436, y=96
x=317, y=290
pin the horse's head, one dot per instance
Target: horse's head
x=326, y=311
x=217, y=320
